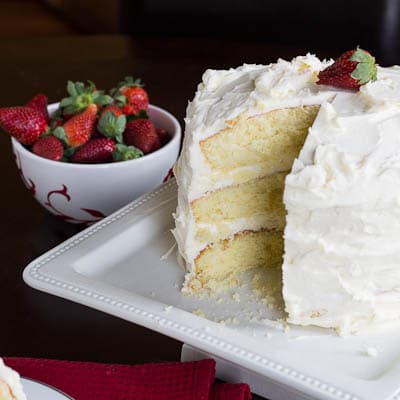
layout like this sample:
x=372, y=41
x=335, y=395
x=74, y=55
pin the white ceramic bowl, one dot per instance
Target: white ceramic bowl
x=85, y=193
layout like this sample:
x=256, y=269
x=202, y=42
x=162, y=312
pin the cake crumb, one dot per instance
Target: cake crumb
x=229, y=320
x=168, y=308
x=284, y=325
x=195, y=284
x=371, y=351
x=199, y=313
x=268, y=335
x=236, y=297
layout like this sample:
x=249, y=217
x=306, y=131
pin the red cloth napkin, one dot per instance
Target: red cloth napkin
x=164, y=381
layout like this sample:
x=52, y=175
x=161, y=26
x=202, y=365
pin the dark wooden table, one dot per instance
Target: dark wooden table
x=40, y=325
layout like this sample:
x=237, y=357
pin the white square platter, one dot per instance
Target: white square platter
x=124, y=266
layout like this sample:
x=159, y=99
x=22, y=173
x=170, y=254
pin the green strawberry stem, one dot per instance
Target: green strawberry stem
x=125, y=153
x=141, y=114
x=120, y=100
x=68, y=153
x=112, y=126
x=81, y=95
x=60, y=134
x=366, y=68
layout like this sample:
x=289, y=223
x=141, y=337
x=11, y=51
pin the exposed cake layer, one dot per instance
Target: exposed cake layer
x=225, y=211
x=342, y=259
x=270, y=141
x=223, y=260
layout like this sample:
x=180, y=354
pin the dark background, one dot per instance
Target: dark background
x=43, y=43
x=334, y=25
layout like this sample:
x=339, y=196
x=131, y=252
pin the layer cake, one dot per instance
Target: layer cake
x=267, y=151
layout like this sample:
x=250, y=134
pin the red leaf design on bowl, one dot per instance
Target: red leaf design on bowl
x=94, y=213
x=64, y=192
x=169, y=175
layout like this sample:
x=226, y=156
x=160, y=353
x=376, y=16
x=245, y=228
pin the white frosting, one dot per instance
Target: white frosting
x=342, y=258
x=12, y=379
x=222, y=96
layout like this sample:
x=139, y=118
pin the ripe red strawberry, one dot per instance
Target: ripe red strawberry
x=129, y=109
x=111, y=125
x=95, y=151
x=113, y=108
x=23, y=123
x=137, y=97
x=125, y=153
x=79, y=128
x=163, y=135
x=130, y=92
x=141, y=133
x=49, y=147
x=39, y=103
x=351, y=70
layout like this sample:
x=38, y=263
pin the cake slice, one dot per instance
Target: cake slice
x=10, y=384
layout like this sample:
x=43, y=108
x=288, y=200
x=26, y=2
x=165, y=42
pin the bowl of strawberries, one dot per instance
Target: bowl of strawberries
x=93, y=152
